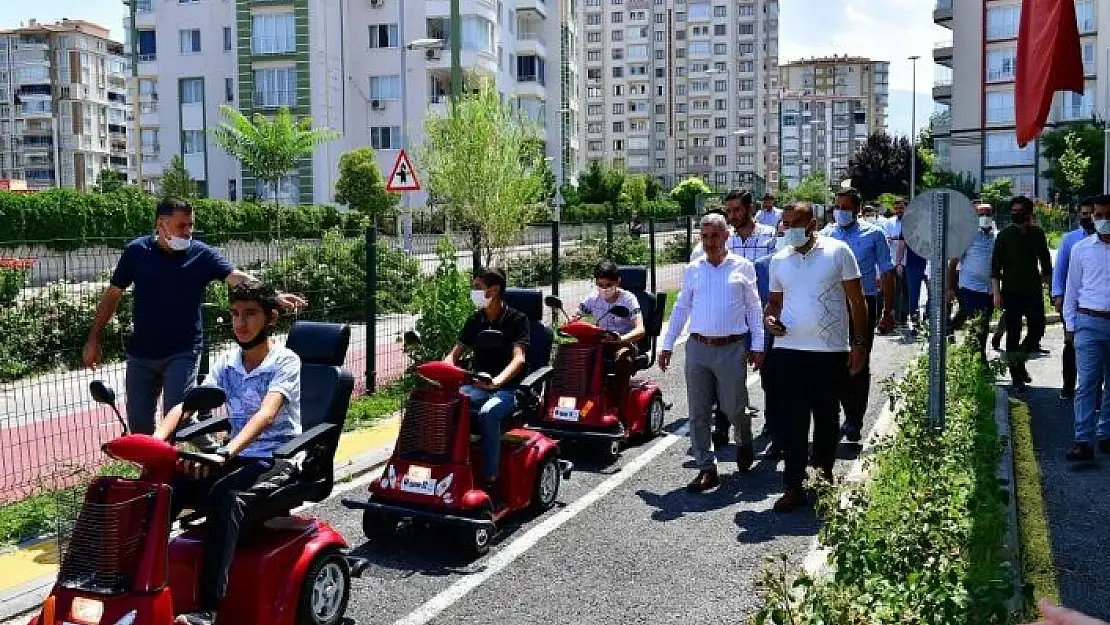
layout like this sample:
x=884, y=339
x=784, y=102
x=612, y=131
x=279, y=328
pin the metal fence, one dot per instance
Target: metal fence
x=50, y=429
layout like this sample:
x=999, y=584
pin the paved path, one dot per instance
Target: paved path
x=1077, y=500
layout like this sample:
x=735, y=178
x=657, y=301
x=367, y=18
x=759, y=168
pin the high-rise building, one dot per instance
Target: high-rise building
x=370, y=69
x=676, y=89
x=828, y=108
x=63, y=105
x=974, y=91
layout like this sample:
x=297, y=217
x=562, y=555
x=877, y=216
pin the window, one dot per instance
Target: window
x=272, y=33
x=385, y=87
x=1075, y=106
x=1002, y=21
x=638, y=52
x=720, y=160
x=477, y=34
x=618, y=108
x=594, y=128
x=616, y=17
x=1002, y=149
x=594, y=109
x=593, y=55
x=229, y=41
x=618, y=145
x=1000, y=64
x=618, y=72
x=720, y=86
x=275, y=87
x=747, y=85
x=747, y=48
x=594, y=146
x=190, y=40
x=617, y=35
x=699, y=12
x=593, y=37
x=593, y=19
x=699, y=48
x=593, y=75
x=1085, y=16
x=384, y=36
x=718, y=30
x=593, y=92
x=720, y=142
x=229, y=89
x=385, y=137
x=1090, y=62
x=192, y=91
x=618, y=54
x=148, y=45
x=746, y=9
x=531, y=68
x=659, y=55
x=639, y=143
x=720, y=11
x=618, y=126
x=747, y=29
x=192, y=142
x=747, y=67
x=719, y=105
x=1000, y=107
x=232, y=189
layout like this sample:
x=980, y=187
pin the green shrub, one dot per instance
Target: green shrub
x=577, y=262
x=922, y=541
x=13, y=277
x=675, y=251
x=444, y=305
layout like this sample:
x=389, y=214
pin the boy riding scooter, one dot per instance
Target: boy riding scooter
x=263, y=386
x=626, y=331
x=492, y=401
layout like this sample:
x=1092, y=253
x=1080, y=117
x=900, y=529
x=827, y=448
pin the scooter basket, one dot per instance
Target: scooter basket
x=575, y=364
x=103, y=546
x=428, y=426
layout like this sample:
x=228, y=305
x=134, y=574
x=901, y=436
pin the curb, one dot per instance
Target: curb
x=1011, y=545
x=23, y=600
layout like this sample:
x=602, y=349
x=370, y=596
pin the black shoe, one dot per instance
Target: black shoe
x=1067, y=394
x=707, y=479
x=196, y=618
x=1028, y=378
x=1104, y=445
x=996, y=342
x=851, y=432
x=1080, y=452
x=791, y=500
x=720, y=438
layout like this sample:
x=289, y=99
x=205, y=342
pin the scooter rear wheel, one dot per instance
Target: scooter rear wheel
x=326, y=591
x=378, y=525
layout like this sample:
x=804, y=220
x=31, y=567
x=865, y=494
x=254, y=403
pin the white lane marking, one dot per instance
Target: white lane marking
x=503, y=558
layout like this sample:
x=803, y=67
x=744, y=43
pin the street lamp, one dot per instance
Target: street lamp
x=133, y=10
x=454, y=39
x=913, y=129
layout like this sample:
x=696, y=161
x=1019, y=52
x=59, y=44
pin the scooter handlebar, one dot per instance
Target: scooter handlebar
x=211, y=460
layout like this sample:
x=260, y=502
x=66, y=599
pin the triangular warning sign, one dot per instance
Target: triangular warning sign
x=403, y=177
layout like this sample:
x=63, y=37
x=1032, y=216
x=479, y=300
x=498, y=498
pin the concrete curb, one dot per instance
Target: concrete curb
x=1012, y=543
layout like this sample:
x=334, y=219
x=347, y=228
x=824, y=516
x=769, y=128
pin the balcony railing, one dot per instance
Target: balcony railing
x=995, y=74
x=275, y=99
x=273, y=44
x=939, y=45
x=536, y=78
x=144, y=6
x=148, y=57
x=944, y=4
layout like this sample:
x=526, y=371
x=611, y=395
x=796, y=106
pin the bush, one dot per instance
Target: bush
x=676, y=250
x=13, y=277
x=577, y=262
x=922, y=541
x=444, y=305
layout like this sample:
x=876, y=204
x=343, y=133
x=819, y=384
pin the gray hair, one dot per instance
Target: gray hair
x=714, y=220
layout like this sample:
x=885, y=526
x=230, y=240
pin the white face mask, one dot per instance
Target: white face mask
x=780, y=242
x=796, y=237
x=479, y=298
x=986, y=222
x=1102, y=226
x=179, y=244
x=844, y=218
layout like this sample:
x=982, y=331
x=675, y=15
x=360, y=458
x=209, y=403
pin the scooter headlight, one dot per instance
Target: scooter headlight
x=85, y=610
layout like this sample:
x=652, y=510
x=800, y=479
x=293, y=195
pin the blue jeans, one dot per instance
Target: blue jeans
x=1092, y=356
x=487, y=411
x=147, y=378
x=915, y=276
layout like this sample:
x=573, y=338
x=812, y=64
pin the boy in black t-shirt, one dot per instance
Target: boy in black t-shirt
x=491, y=402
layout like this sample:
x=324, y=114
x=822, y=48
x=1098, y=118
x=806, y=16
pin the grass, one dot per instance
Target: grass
x=1037, y=570
x=367, y=410
x=672, y=297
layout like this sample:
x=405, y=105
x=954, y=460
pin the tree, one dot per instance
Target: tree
x=813, y=188
x=882, y=165
x=653, y=189
x=1075, y=155
x=601, y=184
x=686, y=193
x=269, y=148
x=361, y=185
x=483, y=165
x=997, y=192
x=635, y=192
x=109, y=181
x=957, y=181
x=546, y=174
x=176, y=181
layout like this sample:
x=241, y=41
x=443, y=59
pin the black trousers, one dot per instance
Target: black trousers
x=225, y=498
x=1070, y=372
x=854, y=394
x=1028, y=307
x=975, y=303
x=810, y=392
x=772, y=404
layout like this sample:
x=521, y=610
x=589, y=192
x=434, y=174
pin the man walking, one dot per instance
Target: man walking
x=720, y=299
x=868, y=245
x=815, y=289
x=1059, y=282
x=892, y=226
x=1016, y=285
x=769, y=215
x=772, y=413
x=170, y=272
x=1087, y=323
x=974, y=279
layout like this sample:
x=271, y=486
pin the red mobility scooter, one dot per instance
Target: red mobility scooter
x=121, y=566
x=579, y=405
x=432, y=476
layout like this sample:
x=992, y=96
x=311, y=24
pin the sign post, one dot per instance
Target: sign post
x=403, y=179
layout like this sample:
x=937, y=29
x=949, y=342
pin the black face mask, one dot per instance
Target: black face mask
x=1020, y=218
x=1087, y=223
x=258, y=339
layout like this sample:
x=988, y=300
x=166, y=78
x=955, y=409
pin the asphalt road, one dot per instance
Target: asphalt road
x=626, y=545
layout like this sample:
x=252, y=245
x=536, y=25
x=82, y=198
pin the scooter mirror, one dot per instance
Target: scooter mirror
x=489, y=339
x=620, y=311
x=204, y=398
x=102, y=393
x=412, y=337
x=552, y=301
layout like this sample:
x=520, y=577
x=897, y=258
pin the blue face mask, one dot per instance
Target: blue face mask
x=844, y=218
x=795, y=237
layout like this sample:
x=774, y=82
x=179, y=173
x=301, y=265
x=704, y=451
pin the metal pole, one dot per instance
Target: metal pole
x=371, y=343
x=456, y=53
x=133, y=8
x=1106, y=135
x=651, y=251
x=913, y=131
x=554, y=263
x=404, y=98
x=938, y=340
x=609, y=238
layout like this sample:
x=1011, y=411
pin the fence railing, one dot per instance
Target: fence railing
x=50, y=429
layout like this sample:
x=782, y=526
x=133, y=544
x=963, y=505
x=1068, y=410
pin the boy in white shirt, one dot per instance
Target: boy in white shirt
x=626, y=332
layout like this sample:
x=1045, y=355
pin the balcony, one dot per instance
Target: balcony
x=942, y=53
x=942, y=13
x=530, y=44
x=942, y=89
x=530, y=85
x=539, y=7
x=150, y=149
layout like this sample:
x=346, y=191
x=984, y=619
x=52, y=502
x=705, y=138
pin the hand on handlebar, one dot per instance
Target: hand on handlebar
x=484, y=381
x=199, y=465
x=610, y=338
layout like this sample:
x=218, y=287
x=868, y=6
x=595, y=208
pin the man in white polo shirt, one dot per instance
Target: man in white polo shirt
x=815, y=287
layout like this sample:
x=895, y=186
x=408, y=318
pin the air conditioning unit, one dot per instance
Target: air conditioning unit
x=432, y=54
x=377, y=105
x=377, y=3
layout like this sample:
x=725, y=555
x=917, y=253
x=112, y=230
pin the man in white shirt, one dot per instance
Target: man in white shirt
x=769, y=215
x=720, y=299
x=747, y=239
x=1087, y=318
x=973, y=277
x=815, y=289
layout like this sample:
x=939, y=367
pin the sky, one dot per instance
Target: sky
x=889, y=30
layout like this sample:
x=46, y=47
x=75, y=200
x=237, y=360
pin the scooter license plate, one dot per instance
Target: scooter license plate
x=418, y=480
x=566, y=414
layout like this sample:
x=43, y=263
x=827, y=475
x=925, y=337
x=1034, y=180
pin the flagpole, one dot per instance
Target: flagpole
x=913, y=131
x=1106, y=134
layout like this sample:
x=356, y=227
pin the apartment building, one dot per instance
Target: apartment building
x=349, y=65
x=678, y=88
x=828, y=107
x=63, y=105
x=974, y=90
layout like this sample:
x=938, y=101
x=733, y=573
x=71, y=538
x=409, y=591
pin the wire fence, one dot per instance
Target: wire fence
x=50, y=429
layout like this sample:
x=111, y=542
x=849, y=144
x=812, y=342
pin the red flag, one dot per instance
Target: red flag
x=1048, y=60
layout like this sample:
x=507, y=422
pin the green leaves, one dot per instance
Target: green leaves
x=687, y=191
x=176, y=181
x=361, y=186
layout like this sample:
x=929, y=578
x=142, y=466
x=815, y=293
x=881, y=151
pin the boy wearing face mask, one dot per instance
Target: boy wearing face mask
x=491, y=402
x=974, y=279
x=626, y=331
x=170, y=272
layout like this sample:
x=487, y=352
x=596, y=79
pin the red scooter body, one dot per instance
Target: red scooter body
x=578, y=406
x=434, y=472
x=121, y=568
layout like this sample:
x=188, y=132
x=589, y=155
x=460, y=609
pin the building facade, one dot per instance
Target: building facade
x=350, y=66
x=828, y=108
x=974, y=91
x=676, y=89
x=64, y=113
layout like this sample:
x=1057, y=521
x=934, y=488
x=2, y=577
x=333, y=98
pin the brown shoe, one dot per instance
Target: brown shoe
x=791, y=500
x=745, y=456
x=707, y=479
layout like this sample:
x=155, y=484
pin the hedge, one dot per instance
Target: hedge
x=63, y=219
x=579, y=213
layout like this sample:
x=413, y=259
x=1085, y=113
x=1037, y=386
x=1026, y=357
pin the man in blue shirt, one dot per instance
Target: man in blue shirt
x=170, y=272
x=1059, y=286
x=974, y=279
x=771, y=413
x=868, y=245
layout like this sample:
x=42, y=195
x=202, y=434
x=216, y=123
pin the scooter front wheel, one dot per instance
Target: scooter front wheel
x=326, y=591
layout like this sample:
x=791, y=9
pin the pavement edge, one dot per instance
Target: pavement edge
x=1011, y=545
